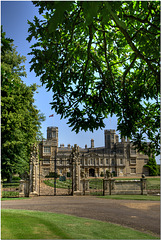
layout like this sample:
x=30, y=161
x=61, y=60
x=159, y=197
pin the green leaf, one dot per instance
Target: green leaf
x=115, y=17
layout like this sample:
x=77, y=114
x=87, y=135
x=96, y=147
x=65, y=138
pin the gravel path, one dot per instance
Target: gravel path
x=141, y=215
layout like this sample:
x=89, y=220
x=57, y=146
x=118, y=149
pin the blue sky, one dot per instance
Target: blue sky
x=14, y=16
x=14, y=20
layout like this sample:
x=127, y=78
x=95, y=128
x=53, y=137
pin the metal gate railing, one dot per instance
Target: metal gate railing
x=10, y=190
x=58, y=178
x=96, y=186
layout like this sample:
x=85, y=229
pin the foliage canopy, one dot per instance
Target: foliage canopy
x=99, y=59
x=20, y=119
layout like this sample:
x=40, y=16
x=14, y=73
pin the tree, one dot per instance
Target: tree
x=100, y=59
x=152, y=166
x=20, y=120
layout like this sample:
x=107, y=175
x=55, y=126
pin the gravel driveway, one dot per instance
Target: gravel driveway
x=141, y=215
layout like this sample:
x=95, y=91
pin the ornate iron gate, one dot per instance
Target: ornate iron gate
x=55, y=177
x=96, y=186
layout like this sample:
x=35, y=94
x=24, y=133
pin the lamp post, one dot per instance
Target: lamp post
x=55, y=175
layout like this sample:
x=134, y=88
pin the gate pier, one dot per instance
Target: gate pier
x=76, y=185
x=34, y=170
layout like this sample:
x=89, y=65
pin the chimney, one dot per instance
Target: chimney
x=86, y=146
x=92, y=143
x=68, y=146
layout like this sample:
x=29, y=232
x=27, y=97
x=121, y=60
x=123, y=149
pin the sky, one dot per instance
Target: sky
x=14, y=16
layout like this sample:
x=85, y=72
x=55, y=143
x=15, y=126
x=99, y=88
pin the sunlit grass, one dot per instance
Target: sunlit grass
x=22, y=224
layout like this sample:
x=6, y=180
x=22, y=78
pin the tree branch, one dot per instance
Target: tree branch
x=137, y=52
x=142, y=20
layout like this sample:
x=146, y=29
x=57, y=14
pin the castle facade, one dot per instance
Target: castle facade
x=119, y=158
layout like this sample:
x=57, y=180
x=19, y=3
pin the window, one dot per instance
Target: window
x=145, y=161
x=108, y=137
x=54, y=134
x=106, y=161
x=97, y=162
x=47, y=149
x=133, y=170
x=68, y=162
x=46, y=161
x=133, y=161
x=91, y=161
x=119, y=151
x=101, y=161
x=60, y=161
x=121, y=161
x=113, y=161
x=133, y=151
x=86, y=162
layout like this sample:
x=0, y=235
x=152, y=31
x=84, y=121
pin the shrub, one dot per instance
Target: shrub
x=101, y=174
x=7, y=194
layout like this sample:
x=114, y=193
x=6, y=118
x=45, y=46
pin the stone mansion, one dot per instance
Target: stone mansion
x=119, y=158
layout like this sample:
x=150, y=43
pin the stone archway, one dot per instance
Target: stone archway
x=91, y=172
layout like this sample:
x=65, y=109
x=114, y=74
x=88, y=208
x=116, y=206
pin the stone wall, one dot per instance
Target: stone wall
x=124, y=187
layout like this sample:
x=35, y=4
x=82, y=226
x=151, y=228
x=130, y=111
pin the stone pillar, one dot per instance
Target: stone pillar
x=108, y=186
x=24, y=188
x=34, y=171
x=76, y=171
x=105, y=186
x=86, y=187
x=143, y=181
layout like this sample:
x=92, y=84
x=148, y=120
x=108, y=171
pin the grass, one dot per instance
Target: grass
x=59, y=184
x=153, y=183
x=93, y=183
x=22, y=224
x=10, y=194
x=15, y=198
x=133, y=197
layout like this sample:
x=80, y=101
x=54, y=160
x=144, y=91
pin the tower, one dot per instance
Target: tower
x=110, y=138
x=52, y=134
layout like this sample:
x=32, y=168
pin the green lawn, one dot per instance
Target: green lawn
x=15, y=198
x=93, y=183
x=59, y=184
x=133, y=197
x=153, y=183
x=22, y=224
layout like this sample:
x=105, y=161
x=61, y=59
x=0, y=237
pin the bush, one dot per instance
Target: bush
x=153, y=168
x=158, y=170
x=101, y=175
x=9, y=185
x=62, y=178
x=7, y=194
x=15, y=178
